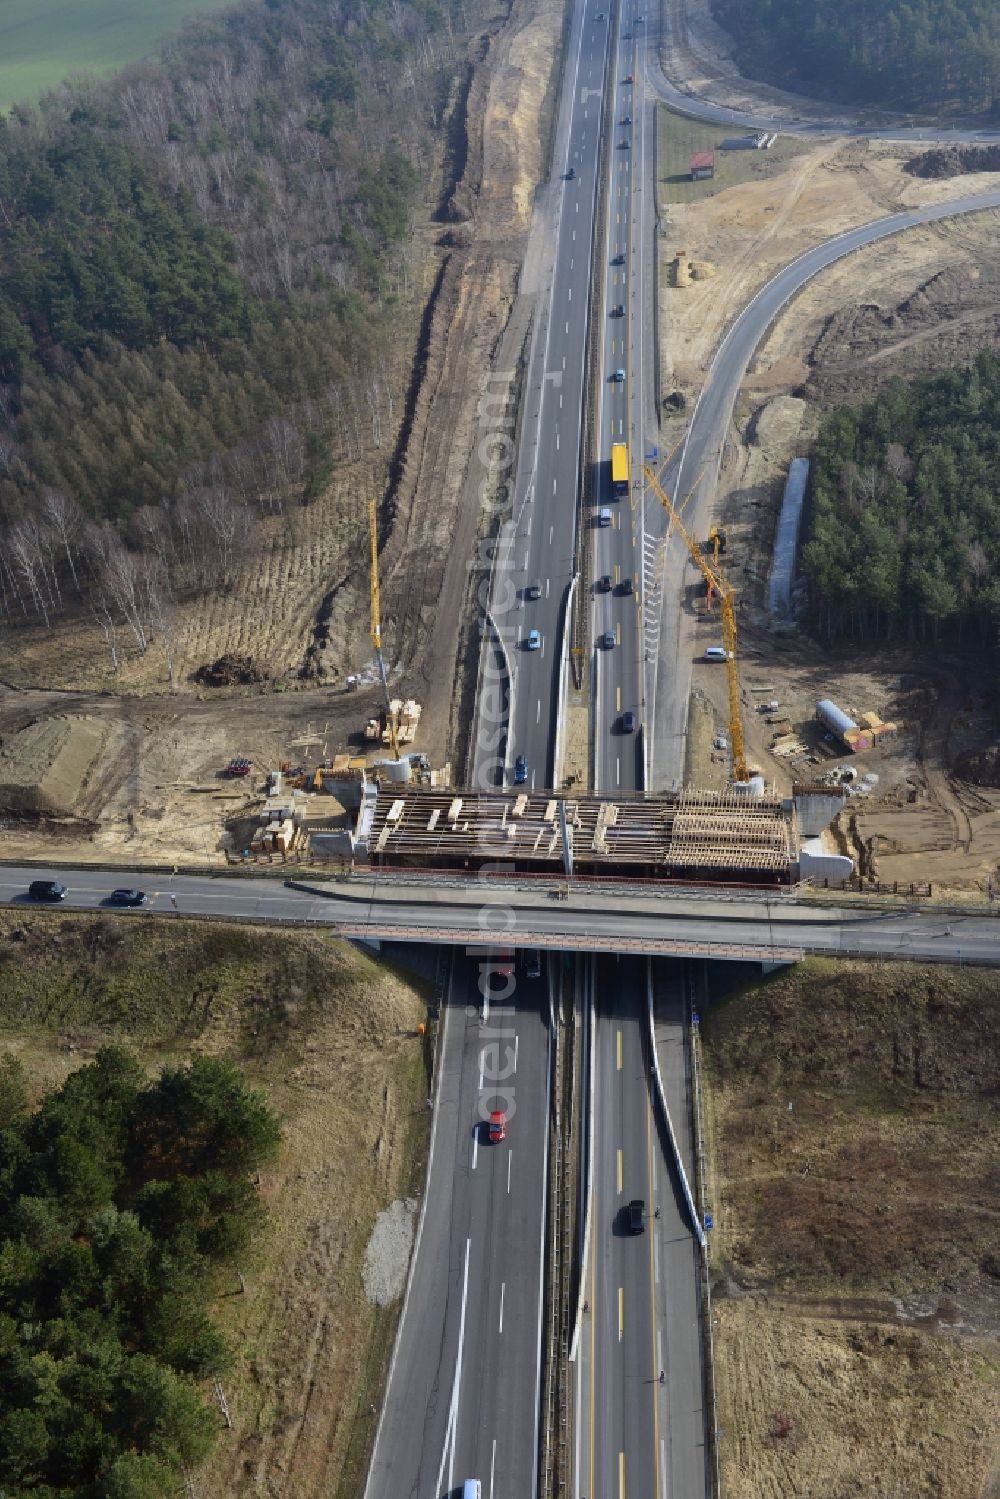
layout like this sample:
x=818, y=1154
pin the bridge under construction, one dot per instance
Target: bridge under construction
x=723, y=836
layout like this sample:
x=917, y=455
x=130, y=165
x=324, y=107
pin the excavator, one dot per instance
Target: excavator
x=720, y=585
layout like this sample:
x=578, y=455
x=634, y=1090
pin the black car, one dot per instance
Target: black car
x=636, y=1215
x=520, y=771
x=533, y=591
x=46, y=890
x=627, y=586
x=618, y=310
x=628, y=723
x=127, y=898
x=618, y=259
x=571, y=174
x=603, y=584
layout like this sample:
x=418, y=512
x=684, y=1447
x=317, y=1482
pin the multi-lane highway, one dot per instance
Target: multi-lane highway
x=462, y=1396
x=536, y=553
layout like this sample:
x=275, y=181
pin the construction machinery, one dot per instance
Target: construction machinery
x=376, y=632
x=717, y=541
x=717, y=583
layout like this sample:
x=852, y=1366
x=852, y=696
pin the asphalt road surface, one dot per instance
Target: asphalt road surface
x=703, y=924
x=638, y=1436
x=463, y=1392
x=537, y=545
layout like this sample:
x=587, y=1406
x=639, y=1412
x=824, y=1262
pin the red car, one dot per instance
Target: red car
x=498, y=1126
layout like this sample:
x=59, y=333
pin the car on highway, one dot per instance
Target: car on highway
x=626, y=723
x=533, y=963
x=46, y=890
x=125, y=897
x=498, y=1126
x=636, y=1215
x=626, y=119
x=571, y=174
x=608, y=640
x=623, y=145
x=604, y=516
x=618, y=310
x=533, y=642
x=639, y=20
x=603, y=584
x=533, y=591
x=618, y=378
x=520, y=770
x=618, y=259
x=627, y=586
x=628, y=78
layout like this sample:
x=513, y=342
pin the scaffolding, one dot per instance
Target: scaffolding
x=723, y=833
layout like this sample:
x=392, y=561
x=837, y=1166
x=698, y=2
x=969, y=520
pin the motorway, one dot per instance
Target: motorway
x=462, y=1396
x=537, y=544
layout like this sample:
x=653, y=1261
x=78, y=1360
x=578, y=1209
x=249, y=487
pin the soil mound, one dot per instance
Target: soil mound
x=955, y=161
x=231, y=670
x=46, y=767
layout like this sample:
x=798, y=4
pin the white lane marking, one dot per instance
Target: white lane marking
x=475, y=1146
x=538, y=711
x=553, y=481
x=618, y=770
x=569, y=294
x=567, y=327
x=503, y=1287
x=557, y=442
x=560, y=408
x=482, y=1068
x=574, y=234
x=546, y=587
x=493, y=1463
x=578, y=208
x=564, y=361
x=551, y=529
x=516, y=1039
x=510, y=1153
x=448, y=1455
x=571, y=263
x=543, y=648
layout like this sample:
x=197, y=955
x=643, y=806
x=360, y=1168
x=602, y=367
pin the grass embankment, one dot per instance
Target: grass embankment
x=331, y=1035
x=44, y=41
x=855, y=1142
x=677, y=137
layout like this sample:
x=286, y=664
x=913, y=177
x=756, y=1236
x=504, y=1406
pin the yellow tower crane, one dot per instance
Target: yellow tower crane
x=376, y=626
x=727, y=596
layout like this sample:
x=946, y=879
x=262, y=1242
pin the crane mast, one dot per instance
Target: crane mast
x=727, y=596
x=376, y=626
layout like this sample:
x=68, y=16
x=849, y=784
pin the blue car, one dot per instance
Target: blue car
x=534, y=641
x=520, y=771
x=618, y=378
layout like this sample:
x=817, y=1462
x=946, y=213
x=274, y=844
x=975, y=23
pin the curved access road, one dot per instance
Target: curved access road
x=685, y=100
x=697, y=464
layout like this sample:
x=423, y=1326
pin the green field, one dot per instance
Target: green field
x=42, y=41
x=678, y=136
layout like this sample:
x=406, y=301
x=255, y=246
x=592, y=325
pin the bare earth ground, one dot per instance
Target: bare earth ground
x=925, y=300
x=332, y=1037
x=857, y=1308
x=153, y=791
